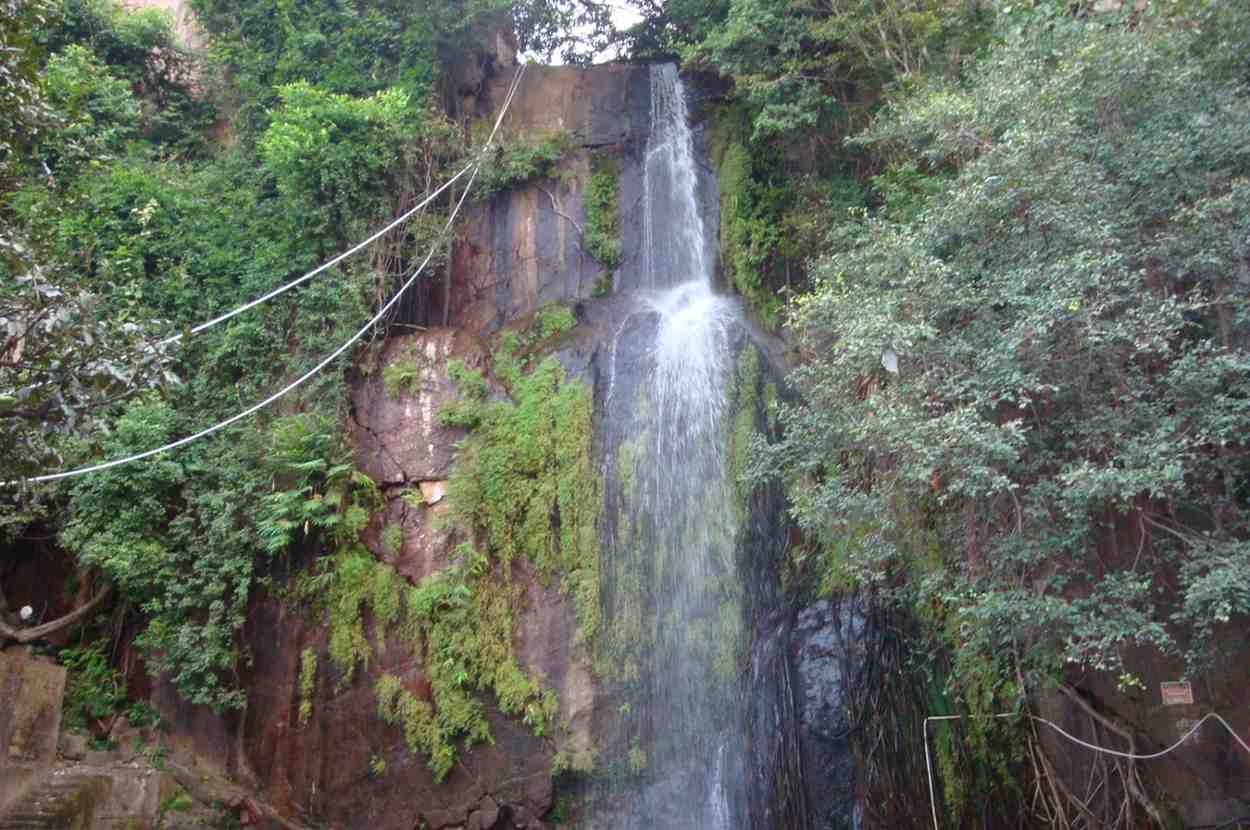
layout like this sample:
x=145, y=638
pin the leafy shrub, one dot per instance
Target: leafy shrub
x=519, y=159
x=602, y=239
x=1070, y=359
x=95, y=691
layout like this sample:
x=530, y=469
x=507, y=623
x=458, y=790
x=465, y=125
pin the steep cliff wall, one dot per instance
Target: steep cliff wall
x=526, y=248
x=313, y=743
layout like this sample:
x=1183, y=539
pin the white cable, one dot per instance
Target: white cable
x=104, y=465
x=324, y=266
x=1153, y=755
x=1106, y=751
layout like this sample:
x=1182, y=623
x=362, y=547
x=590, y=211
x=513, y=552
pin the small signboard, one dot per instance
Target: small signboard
x=1177, y=693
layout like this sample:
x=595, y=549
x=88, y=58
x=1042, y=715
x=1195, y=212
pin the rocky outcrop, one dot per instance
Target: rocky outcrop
x=67, y=799
x=825, y=644
x=395, y=432
x=524, y=248
x=342, y=765
x=30, y=719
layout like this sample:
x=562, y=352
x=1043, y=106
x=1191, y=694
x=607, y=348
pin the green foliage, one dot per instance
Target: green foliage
x=773, y=219
x=1072, y=358
x=518, y=159
x=307, y=684
x=164, y=242
x=336, y=153
x=348, y=50
x=94, y=691
x=194, y=593
x=102, y=111
x=26, y=113
x=798, y=69
x=525, y=483
x=403, y=372
x=139, y=48
x=322, y=494
x=602, y=238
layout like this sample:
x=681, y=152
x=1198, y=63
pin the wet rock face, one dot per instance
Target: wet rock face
x=395, y=431
x=343, y=766
x=823, y=645
x=523, y=249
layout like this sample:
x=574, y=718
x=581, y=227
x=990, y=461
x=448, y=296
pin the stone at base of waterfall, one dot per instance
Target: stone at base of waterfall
x=485, y=817
x=432, y=492
x=73, y=747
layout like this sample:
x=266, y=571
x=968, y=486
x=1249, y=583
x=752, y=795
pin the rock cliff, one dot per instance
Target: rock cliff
x=339, y=764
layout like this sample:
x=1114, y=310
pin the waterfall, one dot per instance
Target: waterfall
x=677, y=249
x=674, y=602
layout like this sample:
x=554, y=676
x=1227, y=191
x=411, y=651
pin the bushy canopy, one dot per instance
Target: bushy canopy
x=1026, y=395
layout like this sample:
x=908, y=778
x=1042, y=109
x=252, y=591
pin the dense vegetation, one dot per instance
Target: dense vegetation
x=1025, y=377
x=142, y=195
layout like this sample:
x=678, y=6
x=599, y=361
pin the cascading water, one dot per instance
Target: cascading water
x=674, y=605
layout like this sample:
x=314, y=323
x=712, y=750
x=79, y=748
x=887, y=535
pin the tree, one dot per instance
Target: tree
x=1047, y=355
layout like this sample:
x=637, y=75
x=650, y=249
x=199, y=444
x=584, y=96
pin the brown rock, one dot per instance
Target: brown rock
x=433, y=491
x=30, y=717
x=398, y=438
x=523, y=249
x=548, y=645
x=424, y=543
x=489, y=813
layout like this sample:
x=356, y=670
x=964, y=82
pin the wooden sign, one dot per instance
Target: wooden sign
x=1177, y=693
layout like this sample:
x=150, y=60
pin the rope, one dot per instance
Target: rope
x=382, y=312
x=1105, y=750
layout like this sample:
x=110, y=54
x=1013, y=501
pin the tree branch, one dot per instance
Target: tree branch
x=27, y=635
x=555, y=208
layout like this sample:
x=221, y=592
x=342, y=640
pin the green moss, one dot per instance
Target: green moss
x=747, y=398
x=466, y=411
x=400, y=707
x=351, y=588
x=749, y=234
x=637, y=756
x=403, y=372
x=523, y=486
x=553, y=320
x=626, y=467
x=602, y=237
x=457, y=622
x=307, y=683
x=391, y=538
x=525, y=483
x=729, y=631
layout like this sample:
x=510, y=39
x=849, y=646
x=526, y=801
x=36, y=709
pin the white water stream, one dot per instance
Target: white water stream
x=680, y=514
